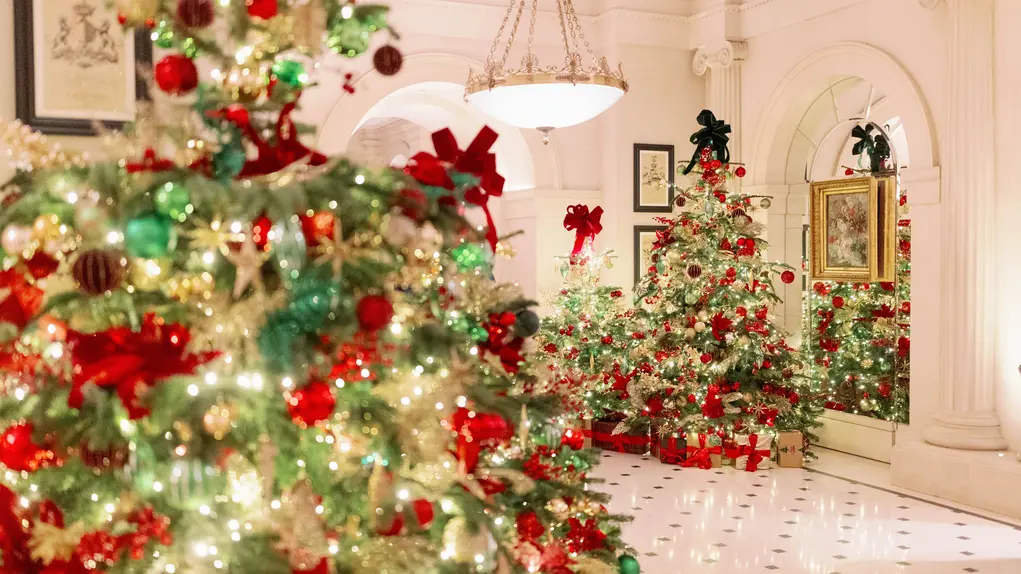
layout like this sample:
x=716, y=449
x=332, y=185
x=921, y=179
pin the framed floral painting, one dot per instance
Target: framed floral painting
x=853, y=229
x=645, y=236
x=76, y=66
x=654, y=178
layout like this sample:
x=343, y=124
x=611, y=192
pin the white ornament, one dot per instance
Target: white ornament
x=689, y=333
x=401, y=230
x=699, y=327
x=703, y=315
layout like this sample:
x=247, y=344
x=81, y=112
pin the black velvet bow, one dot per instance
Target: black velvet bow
x=877, y=148
x=713, y=135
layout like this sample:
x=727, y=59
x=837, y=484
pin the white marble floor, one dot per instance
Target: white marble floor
x=723, y=521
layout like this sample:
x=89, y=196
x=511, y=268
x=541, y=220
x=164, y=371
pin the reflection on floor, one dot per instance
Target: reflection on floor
x=723, y=521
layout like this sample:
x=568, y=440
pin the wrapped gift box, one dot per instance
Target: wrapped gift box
x=752, y=452
x=672, y=449
x=790, y=449
x=704, y=451
x=654, y=444
x=631, y=442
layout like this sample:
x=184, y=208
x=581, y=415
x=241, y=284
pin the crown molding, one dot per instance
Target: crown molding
x=930, y=4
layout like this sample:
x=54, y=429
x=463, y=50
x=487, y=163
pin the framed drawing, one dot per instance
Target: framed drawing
x=852, y=230
x=75, y=65
x=654, y=178
x=645, y=236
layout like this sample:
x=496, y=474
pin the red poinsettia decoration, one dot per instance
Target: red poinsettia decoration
x=585, y=536
x=720, y=325
x=131, y=361
x=501, y=342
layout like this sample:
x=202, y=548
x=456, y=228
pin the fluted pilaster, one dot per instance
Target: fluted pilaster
x=967, y=419
x=723, y=87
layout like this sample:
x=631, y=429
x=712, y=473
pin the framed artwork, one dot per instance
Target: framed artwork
x=852, y=230
x=654, y=178
x=645, y=236
x=75, y=65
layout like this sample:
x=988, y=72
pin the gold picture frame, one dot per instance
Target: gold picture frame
x=853, y=229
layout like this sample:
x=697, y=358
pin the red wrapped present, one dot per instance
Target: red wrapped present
x=672, y=449
x=752, y=452
x=704, y=451
x=631, y=442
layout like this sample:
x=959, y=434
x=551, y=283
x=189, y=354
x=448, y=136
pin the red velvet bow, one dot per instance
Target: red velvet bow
x=749, y=450
x=130, y=361
x=150, y=162
x=476, y=160
x=24, y=299
x=271, y=157
x=584, y=223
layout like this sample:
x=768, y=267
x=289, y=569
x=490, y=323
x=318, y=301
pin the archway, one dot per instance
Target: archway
x=804, y=136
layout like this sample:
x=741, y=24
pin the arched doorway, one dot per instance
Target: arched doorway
x=804, y=136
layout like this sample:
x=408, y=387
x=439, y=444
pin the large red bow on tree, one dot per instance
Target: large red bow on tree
x=285, y=150
x=131, y=361
x=23, y=299
x=585, y=224
x=476, y=160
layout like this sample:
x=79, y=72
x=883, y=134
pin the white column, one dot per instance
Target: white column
x=967, y=417
x=723, y=89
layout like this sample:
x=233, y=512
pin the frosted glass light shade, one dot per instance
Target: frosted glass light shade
x=551, y=104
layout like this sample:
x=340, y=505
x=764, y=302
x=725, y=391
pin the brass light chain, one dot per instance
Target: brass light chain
x=513, y=32
x=530, y=55
x=491, y=60
x=577, y=29
x=563, y=32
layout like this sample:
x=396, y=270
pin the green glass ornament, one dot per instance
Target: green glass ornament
x=470, y=256
x=289, y=248
x=149, y=236
x=228, y=162
x=629, y=564
x=348, y=37
x=173, y=200
x=163, y=35
x=479, y=333
x=290, y=72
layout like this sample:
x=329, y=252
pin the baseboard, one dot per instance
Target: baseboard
x=854, y=434
x=984, y=480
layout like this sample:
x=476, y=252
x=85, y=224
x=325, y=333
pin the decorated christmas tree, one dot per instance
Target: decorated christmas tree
x=721, y=365
x=225, y=352
x=586, y=337
x=860, y=332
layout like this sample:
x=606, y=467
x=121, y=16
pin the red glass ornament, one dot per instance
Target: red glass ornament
x=317, y=228
x=691, y=398
x=884, y=390
x=388, y=60
x=176, y=74
x=787, y=277
x=196, y=13
x=741, y=311
x=848, y=171
x=740, y=171
x=573, y=439
x=260, y=231
x=706, y=358
x=731, y=272
x=264, y=9
x=18, y=452
x=374, y=312
x=424, y=512
x=838, y=302
x=97, y=271
x=312, y=404
x=766, y=364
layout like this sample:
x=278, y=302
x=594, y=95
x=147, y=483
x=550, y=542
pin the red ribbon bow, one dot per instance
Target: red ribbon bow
x=670, y=453
x=701, y=456
x=130, y=362
x=584, y=223
x=271, y=158
x=754, y=456
x=476, y=160
x=150, y=162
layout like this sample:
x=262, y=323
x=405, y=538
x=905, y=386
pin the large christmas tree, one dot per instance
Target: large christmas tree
x=859, y=333
x=721, y=363
x=586, y=336
x=225, y=352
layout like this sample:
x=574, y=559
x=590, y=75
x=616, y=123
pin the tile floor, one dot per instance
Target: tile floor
x=723, y=521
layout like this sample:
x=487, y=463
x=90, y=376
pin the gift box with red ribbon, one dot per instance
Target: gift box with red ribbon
x=704, y=451
x=630, y=442
x=752, y=452
x=672, y=449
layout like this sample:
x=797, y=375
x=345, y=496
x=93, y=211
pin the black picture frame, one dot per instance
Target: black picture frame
x=639, y=230
x=639, y=205
x=24, y=78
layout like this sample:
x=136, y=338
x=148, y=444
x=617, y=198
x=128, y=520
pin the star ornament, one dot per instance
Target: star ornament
x=339, y=250
x=248, y=262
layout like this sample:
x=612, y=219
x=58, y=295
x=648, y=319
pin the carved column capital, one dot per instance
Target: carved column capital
x=718, y=56
x=930, y=4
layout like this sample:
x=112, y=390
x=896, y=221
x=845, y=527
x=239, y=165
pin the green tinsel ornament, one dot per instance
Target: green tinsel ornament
x=629, y=564
x=148, y=236
x=173, y=200
x=470, y=256
x=290, y=72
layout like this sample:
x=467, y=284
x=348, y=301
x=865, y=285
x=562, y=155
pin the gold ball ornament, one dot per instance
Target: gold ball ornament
x=49, y=232
x=673, y=257
x=744, y=340
x=90, y=220
x=699, y=327
x=191, y=287
x=747, y=397
x=137, y=12
x=246, y=82
x=149, y=274
x=560, y=510
x=689, y=333
x=219, y=419
x=703, y=315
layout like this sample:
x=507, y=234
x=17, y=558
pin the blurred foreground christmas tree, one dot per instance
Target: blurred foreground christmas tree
x=585, y=339
x=720, y=362
x=225, y=352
